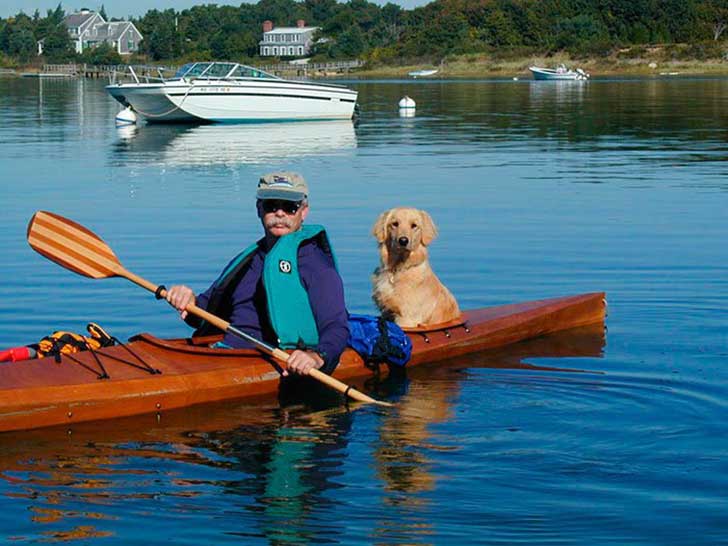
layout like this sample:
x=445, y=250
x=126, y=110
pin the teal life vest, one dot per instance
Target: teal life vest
x=289, y=310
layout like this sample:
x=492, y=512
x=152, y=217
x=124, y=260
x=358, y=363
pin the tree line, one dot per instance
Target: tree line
x=389, y=33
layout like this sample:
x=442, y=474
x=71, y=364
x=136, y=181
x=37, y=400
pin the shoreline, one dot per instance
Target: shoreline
x=483, y=66
x=486, y=66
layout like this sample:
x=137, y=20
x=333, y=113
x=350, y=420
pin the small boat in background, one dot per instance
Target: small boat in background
x=558, y=73
x=46, y=75
x=423, y=73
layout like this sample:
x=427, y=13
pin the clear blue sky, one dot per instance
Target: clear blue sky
x=125, y=8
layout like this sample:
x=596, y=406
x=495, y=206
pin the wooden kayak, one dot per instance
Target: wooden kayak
x=149, y=374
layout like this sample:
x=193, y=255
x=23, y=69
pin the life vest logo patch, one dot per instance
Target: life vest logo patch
x=285, y=266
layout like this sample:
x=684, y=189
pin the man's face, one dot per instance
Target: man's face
x=281, y=217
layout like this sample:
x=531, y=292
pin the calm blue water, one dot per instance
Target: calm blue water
x=538, y=189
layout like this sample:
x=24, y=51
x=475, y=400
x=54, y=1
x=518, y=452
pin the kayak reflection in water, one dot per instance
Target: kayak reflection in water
x=284, y=289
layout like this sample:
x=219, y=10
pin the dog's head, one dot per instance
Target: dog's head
x=404, y=230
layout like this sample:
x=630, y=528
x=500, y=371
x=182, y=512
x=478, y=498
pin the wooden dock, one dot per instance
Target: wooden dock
x=312, y=70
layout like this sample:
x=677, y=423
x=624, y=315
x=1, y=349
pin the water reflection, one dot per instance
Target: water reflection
x=557, y=92
x=277, y=466
x=408, y=438
x=176, y=145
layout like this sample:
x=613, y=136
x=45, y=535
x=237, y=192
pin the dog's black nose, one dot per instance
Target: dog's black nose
x=403, y=241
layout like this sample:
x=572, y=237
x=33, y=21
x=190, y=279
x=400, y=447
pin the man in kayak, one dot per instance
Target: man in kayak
x=283, y=289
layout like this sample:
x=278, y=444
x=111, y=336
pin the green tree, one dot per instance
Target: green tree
x=321, y=10
x=366, y=14
x=714, y=16
x=22, y=44
x=351, y=42
x=162, y=41
x=343, y=20
x=56, y=16
x=500, y=30
x=20, y=41
x=578, y=32
x=57, y=44
x=101, y=54
x=281, y=12
x=4, y=31
x=389, y=27
x=440, y=32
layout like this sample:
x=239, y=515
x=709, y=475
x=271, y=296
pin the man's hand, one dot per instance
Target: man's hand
x=302, y=362
x=179, y=297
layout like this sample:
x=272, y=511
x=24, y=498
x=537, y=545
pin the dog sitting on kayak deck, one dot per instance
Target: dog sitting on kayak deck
x=406, y=290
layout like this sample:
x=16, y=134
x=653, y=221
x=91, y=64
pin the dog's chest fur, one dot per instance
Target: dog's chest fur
x=405, y=293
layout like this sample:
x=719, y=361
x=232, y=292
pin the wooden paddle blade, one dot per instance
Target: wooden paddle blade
x=72, y=246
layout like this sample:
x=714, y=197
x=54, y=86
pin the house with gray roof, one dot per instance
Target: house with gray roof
x=88, y=29
x=286, y=41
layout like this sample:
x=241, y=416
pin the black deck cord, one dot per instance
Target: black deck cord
x=144, y=366
x=102, y=375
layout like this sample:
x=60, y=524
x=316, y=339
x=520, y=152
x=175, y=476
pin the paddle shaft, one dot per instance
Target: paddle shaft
x=225, y=326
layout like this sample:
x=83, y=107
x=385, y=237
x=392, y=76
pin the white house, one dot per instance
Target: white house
x=88, y=29
x=286, y=41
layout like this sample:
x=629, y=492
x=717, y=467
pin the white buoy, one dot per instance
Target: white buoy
x=407, y=102
x=407, y=107
x=126, y=117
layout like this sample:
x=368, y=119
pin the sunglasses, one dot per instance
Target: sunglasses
x=272, y=205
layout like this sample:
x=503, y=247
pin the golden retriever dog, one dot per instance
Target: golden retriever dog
x=406, y=290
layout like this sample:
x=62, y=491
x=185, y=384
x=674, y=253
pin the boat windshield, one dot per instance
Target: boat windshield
x=242, y=71
x=218, y=70
x=197, y=69
x=221, y=71
x=182, y=70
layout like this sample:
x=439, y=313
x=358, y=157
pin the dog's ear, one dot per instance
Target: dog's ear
x=380, y=227
x=429, y=231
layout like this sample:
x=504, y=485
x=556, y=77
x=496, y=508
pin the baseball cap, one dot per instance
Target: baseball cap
x=284, y=185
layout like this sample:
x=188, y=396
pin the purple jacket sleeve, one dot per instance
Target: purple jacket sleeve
x=201, y=301
x=326, y=296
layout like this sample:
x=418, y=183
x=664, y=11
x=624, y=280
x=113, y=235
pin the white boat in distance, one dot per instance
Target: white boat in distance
x=423, y=73
x=558, y=73
x=221, y=92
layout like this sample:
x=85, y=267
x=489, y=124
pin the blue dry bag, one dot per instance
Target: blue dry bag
x=378, y=340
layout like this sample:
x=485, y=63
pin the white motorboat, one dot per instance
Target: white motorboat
x=423, y=73
x=231, y=93
x=558, y=73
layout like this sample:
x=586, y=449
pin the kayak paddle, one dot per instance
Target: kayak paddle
x=74, y=247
